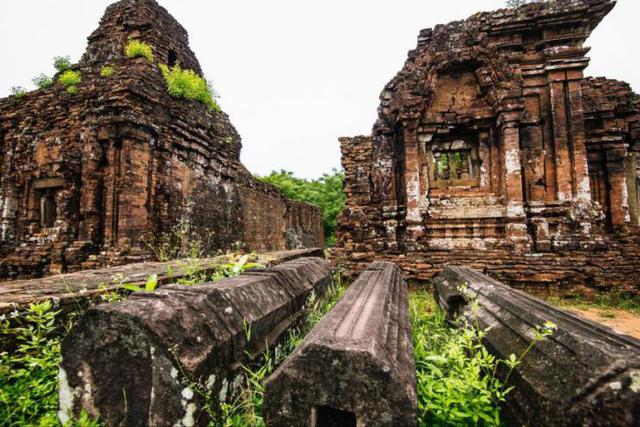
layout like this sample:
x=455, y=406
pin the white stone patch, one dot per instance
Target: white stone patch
x=222, y=397
x=617, y=385
x=211, y=381
x=635, y=381
x=584, y=189
x=65, y=397
x=512, y=161
x=189, y=420
x=228, y=310
x=187, y=393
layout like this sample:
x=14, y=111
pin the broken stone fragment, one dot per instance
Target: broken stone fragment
x=583, y=374
x=357, y=366
x=136, y=363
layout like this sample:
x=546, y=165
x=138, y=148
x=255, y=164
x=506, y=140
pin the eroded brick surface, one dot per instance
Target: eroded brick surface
x=492, y=149
x=87, y=179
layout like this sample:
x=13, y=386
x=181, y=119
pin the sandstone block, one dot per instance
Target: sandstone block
x=134, y=363
x=357, y=366
x=583, y=374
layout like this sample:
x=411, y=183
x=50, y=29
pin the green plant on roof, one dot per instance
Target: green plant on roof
x=107, y=71
x=70, y=79
x=150, y=285
x=137, y=49
x=18, y=91
x=62, y=63
x=188, y=84
x=42, y=81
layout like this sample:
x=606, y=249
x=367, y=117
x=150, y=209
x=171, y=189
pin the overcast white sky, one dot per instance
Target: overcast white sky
x=293, y=75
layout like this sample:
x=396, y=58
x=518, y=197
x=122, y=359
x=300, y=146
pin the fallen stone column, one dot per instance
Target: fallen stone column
x=583, y=374
x=357, y=366
x=134, y=363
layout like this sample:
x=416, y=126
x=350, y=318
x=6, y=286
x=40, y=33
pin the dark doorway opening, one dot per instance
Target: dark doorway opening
x=48, y=209
x=324, y=416
x=172, y=58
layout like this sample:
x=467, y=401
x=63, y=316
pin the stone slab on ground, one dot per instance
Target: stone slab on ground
x=134, y=363
x=67, y=289
x=583, y=374
x=356, y=366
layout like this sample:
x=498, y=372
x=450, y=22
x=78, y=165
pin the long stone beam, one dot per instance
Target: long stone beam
x=134, y=363
x=357, y=366
x=69, y=290
x=583, y=374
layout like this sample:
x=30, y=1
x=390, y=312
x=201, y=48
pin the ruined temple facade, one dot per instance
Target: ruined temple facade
x=90, y=178
x=492, y=149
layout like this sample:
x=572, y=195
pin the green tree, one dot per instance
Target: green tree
x=324, y=192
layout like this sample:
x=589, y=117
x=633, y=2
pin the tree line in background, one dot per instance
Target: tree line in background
x=324, y=192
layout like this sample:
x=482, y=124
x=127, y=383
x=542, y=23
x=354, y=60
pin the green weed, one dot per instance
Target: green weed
x=187, y=84
x=42, y=81
x=107, y=71
x=62, y=63
x=137, y=49
x=18, y=91
x=457, y=377
x=70, y=79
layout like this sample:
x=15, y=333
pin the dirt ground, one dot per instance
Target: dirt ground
x=621, y=321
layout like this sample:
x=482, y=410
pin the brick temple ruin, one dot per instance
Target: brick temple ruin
x=492, y=149
x=89, y=178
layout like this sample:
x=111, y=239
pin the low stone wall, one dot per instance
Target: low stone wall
x=356, y=367
x=133, y=363
x=613, y=267
x=582, y=374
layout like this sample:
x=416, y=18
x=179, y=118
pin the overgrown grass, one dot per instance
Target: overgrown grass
x=107, y=71
x=458, y=384
x=28, y=375
x=18, y=91
x=42, y=81
x=245, y=410
x=70, y=80
x=603, y=301
x=187, y=84
x=137, y=49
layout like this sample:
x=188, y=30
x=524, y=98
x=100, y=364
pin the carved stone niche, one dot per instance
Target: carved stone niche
x=454, y=161
x=44, y=200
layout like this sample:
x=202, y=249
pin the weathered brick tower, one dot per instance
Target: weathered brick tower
x=492, y=149
x=89, y=177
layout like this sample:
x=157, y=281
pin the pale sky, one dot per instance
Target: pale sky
x=293, y=75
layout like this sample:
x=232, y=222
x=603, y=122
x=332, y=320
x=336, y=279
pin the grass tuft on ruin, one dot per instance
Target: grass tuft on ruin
x=107, y=71
x=137, y=49
x=70, y=80
x=187, y=84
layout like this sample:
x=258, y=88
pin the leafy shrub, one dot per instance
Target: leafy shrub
x=29, y=375
x=70, y=80
x=457, y=377
x=62, y=63
x=324, y=192
x=42, y=81
x=28, y=386
x=18, y=91
x=188, y=84
x=137, y=49
x=107, y=71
